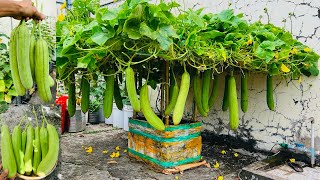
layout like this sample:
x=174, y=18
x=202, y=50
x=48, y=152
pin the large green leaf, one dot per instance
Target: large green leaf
x=84, y=61
x=102, y=34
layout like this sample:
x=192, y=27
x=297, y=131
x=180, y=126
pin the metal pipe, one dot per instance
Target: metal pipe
x=312, y=153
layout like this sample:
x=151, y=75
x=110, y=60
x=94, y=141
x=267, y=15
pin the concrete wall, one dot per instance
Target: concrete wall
x=294, y=104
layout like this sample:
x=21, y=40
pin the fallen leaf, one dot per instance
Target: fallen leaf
x=117, y=148
x=292, y=160
x=104, y=151
x=300, y=80
x=236, y=154
x=125, y=150
x=112, y=162
x=177, y=177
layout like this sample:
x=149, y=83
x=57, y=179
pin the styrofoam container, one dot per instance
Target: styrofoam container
x=127, y=112
x=108, y=120
x=117, y=116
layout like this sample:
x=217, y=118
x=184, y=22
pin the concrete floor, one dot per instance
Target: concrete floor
x=77, y=164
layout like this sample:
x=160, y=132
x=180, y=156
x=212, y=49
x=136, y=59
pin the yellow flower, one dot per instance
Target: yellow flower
x=276, y=55
x=63, y=6
x=236, y=154
x=300, y=79
x=89, y=150
x=113, y=154
x=177, y=177
x=82, y=146
x=104, y=151
x=60, y=17
x=223, y=152
x=294, y=51
x=307, y=50
x=125, y=150
x=292, y=160
x=249, y=42
x=306, y=65
x=220, y=178
x=284, y=68
x=117, y=148
x=216, y=165
x=117, y=153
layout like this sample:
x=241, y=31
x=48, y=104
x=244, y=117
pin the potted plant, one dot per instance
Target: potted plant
x=96, y=99
x=94, y=106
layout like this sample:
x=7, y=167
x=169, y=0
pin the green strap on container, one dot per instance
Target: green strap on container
x=162, y=163
x=170, y=128
x=161, y=139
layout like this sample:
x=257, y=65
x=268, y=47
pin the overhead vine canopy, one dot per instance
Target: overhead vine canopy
x=138, y=31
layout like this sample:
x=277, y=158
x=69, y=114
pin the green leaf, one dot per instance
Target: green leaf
x=212, y=34
x=169, y=31
x=83, y=62
x=147, y=31
x=3, y=46
x=271, y=45
x=7, y=98
x=313, y=69
x=132, y=28
x=90, y=26
x=266, y=55
x=12, y=92
x=102, y=34
x=226, y=15
x=1, y=75
x=2, y=86
x=6, y=68
x=152, y=84
x=8, y=83
x=1, y=96
x=164, y=41
x=274, y=69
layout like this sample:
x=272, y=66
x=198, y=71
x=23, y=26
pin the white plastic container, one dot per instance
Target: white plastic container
x=117, y=116
x=127, y=112
x=108, y=120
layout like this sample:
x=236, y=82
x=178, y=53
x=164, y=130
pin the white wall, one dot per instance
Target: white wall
x=294, y=106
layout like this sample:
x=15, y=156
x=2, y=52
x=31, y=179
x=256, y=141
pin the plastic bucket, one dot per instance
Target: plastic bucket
x=117, y=117
x=77, y=122
x=127, y=112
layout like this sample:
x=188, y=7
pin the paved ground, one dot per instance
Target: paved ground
x=78, y=164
